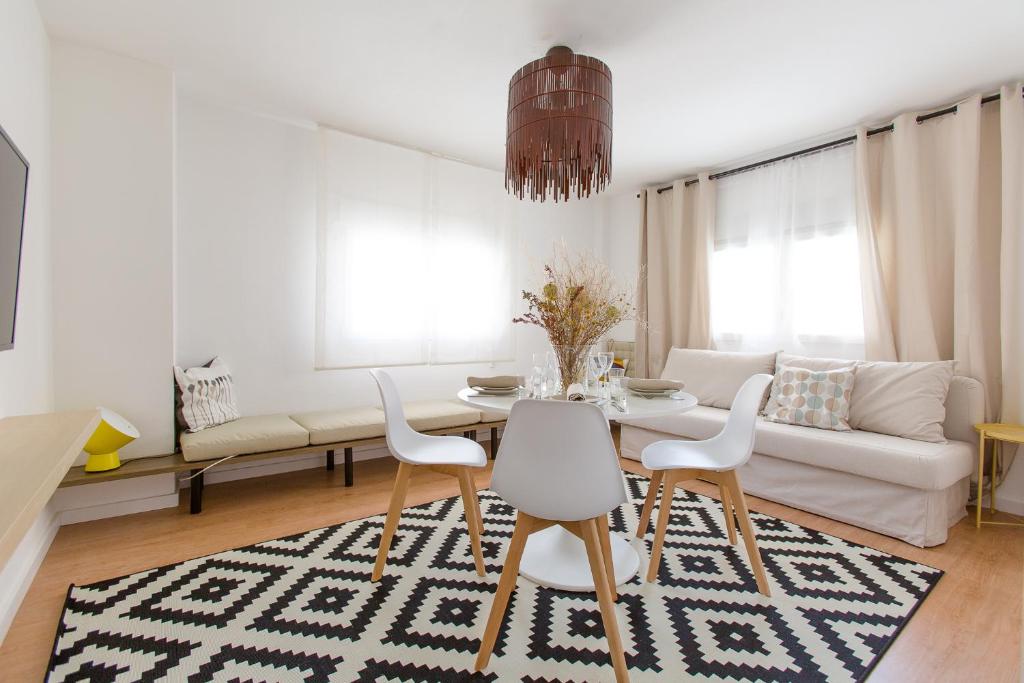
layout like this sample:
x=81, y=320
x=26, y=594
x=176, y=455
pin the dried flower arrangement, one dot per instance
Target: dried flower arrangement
x=578, y=304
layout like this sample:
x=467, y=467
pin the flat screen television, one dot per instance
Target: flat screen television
x=13, y=184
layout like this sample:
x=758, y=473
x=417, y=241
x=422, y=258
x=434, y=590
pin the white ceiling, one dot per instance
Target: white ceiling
x=697, y=83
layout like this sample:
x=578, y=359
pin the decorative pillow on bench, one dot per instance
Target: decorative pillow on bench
x=812, y=398
x=207, y=395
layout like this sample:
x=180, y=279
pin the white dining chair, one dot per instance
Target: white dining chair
x=714, y=460
x=451, y=455
x=557, y=465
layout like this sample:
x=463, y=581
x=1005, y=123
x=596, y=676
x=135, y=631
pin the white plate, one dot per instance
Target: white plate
x=494, y=392
x=649, y=392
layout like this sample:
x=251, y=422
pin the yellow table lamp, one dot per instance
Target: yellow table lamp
x=112, y=433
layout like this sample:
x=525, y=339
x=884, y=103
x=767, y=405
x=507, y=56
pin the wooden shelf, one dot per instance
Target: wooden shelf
x=36, y=452
x=140, y=467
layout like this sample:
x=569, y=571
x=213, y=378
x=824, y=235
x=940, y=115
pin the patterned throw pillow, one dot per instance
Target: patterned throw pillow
x=812, y=398
x=207, y=395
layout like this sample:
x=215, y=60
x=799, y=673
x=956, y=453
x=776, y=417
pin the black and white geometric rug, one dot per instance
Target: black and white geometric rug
x=302, y=608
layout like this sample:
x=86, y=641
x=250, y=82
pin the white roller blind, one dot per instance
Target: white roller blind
x=414, y=263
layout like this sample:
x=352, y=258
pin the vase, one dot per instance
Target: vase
x=572, y=362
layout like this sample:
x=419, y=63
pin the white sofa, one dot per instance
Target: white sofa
x=908, y=489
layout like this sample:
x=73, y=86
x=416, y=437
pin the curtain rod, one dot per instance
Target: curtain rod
x=825, y=145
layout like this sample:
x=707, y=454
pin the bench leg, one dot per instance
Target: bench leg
x=494, y=443
x=330, y=461
x=196, y=494
x=349, y=474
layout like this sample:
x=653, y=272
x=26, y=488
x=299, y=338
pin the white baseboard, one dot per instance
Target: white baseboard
x=17, y=575
x=1005, y=503
x=115, y=498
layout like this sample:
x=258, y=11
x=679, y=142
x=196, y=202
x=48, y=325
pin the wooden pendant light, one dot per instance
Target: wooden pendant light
x=559, y=135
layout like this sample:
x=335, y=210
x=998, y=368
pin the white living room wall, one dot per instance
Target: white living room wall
x=26, y=371
x=620, y=215
x=113, y=214
x=246, y=264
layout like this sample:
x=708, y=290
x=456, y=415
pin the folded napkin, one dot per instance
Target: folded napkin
x=576, y=393
x=498, y=382
x=654, y=384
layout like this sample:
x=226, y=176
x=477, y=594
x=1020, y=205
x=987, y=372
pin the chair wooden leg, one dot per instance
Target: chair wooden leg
x=652, y=495
x=749, y=541
x=469, y=504
x=664, y=510
x=476, y=504
x=606, y=552
x=391, y=523
x=507, y=582
x=591, y=537
x=730, y=519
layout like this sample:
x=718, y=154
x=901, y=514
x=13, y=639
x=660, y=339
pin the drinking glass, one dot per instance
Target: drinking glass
x=538, y=379
x=616, y=392
x=551, y=373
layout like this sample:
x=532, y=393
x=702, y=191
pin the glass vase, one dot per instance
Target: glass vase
x=572, y=362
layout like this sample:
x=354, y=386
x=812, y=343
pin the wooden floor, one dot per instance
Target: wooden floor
x=968, y=629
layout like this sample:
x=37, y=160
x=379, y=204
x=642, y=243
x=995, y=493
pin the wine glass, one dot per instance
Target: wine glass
x=605, y=360
x=594, y=370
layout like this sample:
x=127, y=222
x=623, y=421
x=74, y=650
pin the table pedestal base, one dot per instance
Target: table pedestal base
x=555, y=558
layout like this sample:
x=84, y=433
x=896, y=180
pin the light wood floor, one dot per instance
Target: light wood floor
x=968, y=629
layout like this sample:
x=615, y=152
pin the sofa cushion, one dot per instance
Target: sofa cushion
x=332, y=426
x=902, y=399
x=255, y=434
x=714, y=377
x=424, y=416
x=918, y=464
x=897, y=398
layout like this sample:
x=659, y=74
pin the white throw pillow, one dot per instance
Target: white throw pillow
x=714, y=377
x=813, y=398
x=207, y=395
x=902, y=399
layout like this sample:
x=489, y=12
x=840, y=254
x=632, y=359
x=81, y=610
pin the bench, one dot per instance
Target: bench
x=263, y=437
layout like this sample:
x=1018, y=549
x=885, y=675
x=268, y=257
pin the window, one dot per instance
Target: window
x=784, y=271
x=414, y=263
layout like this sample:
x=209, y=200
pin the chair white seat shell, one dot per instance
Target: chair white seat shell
x=557, y=465
x=451, y=455
x=715, y=460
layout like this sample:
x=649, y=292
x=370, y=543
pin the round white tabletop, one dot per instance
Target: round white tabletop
x=637, y=407
x=554, y=557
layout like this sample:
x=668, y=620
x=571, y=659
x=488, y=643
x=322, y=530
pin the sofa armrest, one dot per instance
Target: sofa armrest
x=965, y=407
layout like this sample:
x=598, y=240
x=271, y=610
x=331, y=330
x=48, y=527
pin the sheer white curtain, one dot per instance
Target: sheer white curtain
x=414, y=258
x=785, y=270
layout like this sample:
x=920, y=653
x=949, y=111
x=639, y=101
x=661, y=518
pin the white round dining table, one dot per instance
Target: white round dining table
x=554, y=557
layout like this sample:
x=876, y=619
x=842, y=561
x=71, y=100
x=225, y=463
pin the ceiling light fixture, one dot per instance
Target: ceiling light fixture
x=559, y=135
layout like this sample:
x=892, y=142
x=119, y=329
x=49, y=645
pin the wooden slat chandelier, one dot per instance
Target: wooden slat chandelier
x=559, y=136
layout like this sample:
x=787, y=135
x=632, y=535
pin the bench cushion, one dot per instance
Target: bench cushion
x=256, y=434
x=352, y=424
x=424, y=416
x=332, y=426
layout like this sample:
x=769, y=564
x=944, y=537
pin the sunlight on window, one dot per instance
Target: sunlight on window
x=826, y=292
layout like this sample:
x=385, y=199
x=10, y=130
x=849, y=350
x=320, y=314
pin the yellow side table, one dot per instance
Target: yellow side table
x=999, y=433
